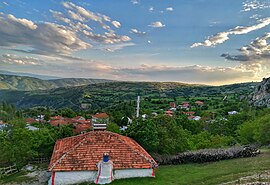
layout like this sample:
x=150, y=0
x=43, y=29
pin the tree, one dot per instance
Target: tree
x=145, y=133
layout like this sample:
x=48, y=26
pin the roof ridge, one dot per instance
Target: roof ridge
x=72, y=149
x=136, y=151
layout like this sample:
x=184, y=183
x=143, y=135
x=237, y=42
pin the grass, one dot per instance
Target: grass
x=16, y=178
x=207, y=173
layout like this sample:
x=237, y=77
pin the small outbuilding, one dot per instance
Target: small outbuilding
x=76, y=159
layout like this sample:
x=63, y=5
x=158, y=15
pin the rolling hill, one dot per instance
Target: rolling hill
x=103, y=95
x=24, y=83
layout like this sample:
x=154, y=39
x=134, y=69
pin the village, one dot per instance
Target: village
x=91, y=132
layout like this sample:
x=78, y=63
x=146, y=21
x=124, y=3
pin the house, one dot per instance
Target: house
x=184, y=105
x=56, y=117
x=199, y=103
x=144, y=116
x=100, y=121
x=172, y=105
x=173, y=109
x=195, y=118
x=3, y=125
x=74, y=159
x=190, y=113
x=59, y=122
x=154, y=114
x=168, y=113
x=82, y=128
x=79, y=118
x=31, y=128
x=233, y=112
x=31, y=121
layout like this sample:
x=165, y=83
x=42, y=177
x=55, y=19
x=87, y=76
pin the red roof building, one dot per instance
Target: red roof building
x=190, y=113
x=172, y=105
x=199, y=102
x=75, y=159
x=30, y=121
x=100, y=121
x=81, y=128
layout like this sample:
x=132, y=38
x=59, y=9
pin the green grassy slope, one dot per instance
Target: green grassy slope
x=103, y=95
x=208, y=173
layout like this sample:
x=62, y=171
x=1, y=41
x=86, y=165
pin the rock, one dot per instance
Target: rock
x=261, y=97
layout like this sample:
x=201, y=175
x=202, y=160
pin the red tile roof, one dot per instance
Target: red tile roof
x=101, y=115
x=189, y=113
x=58, y=122
x=84, y=151
x=172, y=105
x=56, y=118
x=82, y=127
x=168, y=112
x=30, y=120
x=79, y=117
x=199, y=102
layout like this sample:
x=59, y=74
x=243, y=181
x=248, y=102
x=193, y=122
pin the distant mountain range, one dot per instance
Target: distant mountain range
x=25, y=83
x=42, y=77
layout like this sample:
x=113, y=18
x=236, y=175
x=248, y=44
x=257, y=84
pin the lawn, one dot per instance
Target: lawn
x=207, y=173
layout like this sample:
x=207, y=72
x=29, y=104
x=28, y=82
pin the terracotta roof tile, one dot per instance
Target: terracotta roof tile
x=84, y=151
x=101, y=115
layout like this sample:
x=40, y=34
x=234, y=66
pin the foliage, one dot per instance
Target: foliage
x=256, y=131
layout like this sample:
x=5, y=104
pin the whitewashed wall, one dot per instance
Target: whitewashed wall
x=75, y=177
x=130, y=173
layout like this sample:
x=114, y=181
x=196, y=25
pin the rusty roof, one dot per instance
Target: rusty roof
x=101, y=115
x=83, y=152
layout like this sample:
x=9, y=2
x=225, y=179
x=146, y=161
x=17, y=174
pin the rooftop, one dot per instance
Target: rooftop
x=84, y=151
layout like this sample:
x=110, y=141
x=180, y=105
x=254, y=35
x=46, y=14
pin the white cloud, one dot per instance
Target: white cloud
x=24, y=22
x=107, y=38
x=115, y=47
x=221, y=37
x=255, y=56
x=59, y=16
x=189, y=74
x=135, y=1
x=151, y=9
x=169, y=9
x=82, y=11
x=43, y=38
x=5, y=3
x=75, y=16
x=249, y=5
x=19, y=60
x=116, y=24
x=157, y=24
x=137, y=32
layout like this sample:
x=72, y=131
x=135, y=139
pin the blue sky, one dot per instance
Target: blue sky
x=198, y=41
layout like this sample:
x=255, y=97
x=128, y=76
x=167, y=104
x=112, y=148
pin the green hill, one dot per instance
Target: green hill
x=102, y=95
x=24, y=83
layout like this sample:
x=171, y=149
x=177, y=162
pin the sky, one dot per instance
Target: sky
x=211, y=42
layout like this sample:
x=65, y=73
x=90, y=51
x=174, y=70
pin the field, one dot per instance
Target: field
x=207, y=173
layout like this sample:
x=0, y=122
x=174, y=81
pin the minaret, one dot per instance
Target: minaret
x=138, y=107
